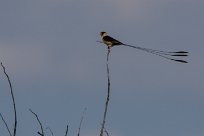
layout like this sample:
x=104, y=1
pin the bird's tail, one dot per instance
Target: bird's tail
x=163, y=54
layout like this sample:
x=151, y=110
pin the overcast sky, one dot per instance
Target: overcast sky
x=57, y=68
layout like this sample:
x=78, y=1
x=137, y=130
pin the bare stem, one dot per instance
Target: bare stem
x=106, y=132
x=82, y=117
x=66, y=133
x=13, y=100
x=42, y=131
x=50, y=130
x=6, y=125
x=108, y=94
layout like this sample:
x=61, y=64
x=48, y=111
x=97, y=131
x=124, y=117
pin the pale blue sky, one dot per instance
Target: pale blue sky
x=57, y=68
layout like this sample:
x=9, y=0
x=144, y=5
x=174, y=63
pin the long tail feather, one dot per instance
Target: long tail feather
x=182, y=61
x=179, y=55
x=180, y=52
x=163, y=54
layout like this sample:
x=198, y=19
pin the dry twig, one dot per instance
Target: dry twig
x=50, y=130
x=108, y=95
x=66, y=133
x=14, y=104
x=42, y=131
x=106, y=132
x=5, y=124
x=82, y=117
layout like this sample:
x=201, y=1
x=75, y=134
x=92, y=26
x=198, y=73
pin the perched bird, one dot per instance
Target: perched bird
x=110, y=42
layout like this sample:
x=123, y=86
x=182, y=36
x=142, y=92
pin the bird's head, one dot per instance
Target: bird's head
x=103, y=34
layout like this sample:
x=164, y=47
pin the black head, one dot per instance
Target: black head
x=103, y=33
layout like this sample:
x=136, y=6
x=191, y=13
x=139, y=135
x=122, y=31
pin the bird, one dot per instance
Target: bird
x=111, y=42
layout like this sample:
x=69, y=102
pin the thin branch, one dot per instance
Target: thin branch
x=66, y=133
x=108, y=95
x=108, y=54
x=6, y=125
x=42, y=131
x=82, y=117
x=13, y=100
x=50, y=130
x=106, y=132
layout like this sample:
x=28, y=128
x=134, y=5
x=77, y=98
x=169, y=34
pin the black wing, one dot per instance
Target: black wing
x=112, y=40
